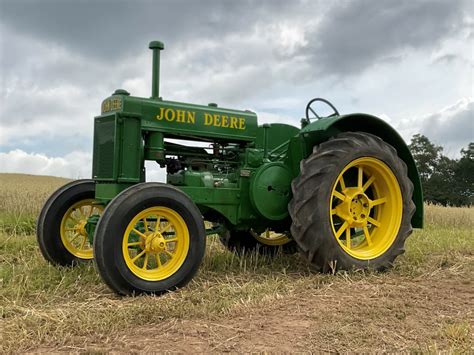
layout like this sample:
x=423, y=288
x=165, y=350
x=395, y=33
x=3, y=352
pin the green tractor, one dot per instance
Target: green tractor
x=343, y=190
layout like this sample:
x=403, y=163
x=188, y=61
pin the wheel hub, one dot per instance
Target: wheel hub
x=81, y=227
x=155, y=243
x=355, y=209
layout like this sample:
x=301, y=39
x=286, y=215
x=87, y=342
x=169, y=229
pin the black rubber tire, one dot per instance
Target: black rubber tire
x=49, y=221
x=244, y=243
x=310, y=207
x=113, y=223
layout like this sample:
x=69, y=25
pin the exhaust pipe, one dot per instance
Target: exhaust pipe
x=156, y=47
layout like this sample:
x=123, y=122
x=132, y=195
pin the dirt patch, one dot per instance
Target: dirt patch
x=376, y=314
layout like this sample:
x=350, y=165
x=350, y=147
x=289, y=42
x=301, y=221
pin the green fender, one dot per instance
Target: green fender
x=321, y=130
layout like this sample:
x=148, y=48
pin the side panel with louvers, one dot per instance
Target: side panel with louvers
x=105, y=148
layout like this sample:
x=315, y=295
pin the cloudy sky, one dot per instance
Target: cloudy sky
x=407, y=61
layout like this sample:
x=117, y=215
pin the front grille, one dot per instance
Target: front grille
x=104, y=148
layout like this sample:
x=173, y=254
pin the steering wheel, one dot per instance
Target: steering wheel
x=308, y=108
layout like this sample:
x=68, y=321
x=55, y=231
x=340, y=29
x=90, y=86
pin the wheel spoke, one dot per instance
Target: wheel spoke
x=341, y=229
x=348, y=237
x=139, y=233
x=73, y=218
x=339, y=195
x=373, y=221
x=83, y=242
x=342, y=183
x=83, y=214
x=360, y=177
x=171, y=240
x=145, y=224
x=378, y=201
x=145, y=262
x=367, y=236
x=368, y=183
x=138, y=256
x=168, y=226
x=158, y=260
x=134, y=243
x=333, y=211
x=74, y=237
x=169, y=253
x=157, y=223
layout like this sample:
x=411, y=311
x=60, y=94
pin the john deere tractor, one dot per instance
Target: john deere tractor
x=343, y=190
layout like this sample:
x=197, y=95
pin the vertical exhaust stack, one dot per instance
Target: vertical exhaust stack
x=156, y=47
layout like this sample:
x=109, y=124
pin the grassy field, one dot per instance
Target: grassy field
x=254, y=303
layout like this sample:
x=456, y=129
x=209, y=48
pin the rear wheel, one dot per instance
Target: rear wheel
x=61, y=227
x=268, y=242
x=150, y=239
x=352, y=204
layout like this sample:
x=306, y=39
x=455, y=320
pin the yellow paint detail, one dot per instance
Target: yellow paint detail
x=170, y=115
x=208, y=119
x=72, y=230
x=155, y=243
x=189, y=117
x=180, y=115
x=225, y=121
x=366, y=208
x=113, y=104
x=271, y=238
x=241, y=123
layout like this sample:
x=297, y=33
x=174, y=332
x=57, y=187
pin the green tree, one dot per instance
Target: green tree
x=445, y=181
x=426, y=155
x=464, y=175
x=441, y=186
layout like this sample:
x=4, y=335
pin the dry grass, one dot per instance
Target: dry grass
x=21, y=199
x=449, y=217
x=424, y=304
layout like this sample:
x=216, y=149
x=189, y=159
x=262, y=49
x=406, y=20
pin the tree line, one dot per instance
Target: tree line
x=445, y=181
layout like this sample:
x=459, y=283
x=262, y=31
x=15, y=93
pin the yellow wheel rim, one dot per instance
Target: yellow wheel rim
x=73, y=233
x=155, y=243
x=366, y=208
x=271, y=238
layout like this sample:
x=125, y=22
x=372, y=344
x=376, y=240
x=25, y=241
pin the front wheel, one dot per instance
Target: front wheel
x=352, y=204
x=150, y=239
x=62, y=224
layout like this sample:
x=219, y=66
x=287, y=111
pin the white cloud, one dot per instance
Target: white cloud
x=154, y=172
x=452, y=127
x=267, y=117
x=291, y=37
x=73, y=165
x=266, y=57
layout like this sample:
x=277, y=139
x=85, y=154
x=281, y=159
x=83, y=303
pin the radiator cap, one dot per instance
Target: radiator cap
x=121, y=92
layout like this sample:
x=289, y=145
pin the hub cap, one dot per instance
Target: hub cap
x=366, y=208
x=73, y=228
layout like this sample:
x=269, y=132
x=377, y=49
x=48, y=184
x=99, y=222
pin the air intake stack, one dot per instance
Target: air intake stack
x=156, y=46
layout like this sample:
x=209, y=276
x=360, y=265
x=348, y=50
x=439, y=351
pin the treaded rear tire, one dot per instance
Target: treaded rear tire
x=310, y=206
